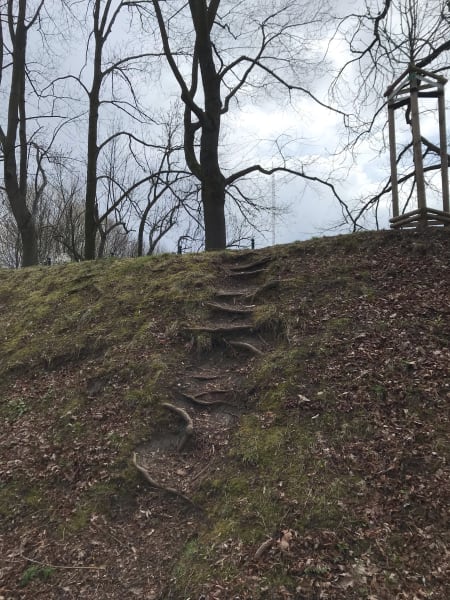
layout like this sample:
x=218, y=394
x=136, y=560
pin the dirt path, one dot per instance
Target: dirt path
x=208, y=399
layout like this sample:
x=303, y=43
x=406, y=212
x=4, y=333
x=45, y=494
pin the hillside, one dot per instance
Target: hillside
x=266, y=424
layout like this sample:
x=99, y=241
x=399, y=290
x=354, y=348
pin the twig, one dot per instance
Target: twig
x=200, y=473
x=38, y=562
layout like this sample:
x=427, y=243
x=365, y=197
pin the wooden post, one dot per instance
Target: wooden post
x=444, y=152
x=393, y=156
x=417, y=144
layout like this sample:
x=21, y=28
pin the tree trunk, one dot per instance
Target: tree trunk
x=213, y=182
x=102, y=244
x=213, y=201
x=29, y=243
x=25, y=223
x=141, y=231
x=16, y=175
x=90, y=221
x=90, y=217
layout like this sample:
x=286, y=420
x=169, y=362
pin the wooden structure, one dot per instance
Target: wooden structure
x=416, y=83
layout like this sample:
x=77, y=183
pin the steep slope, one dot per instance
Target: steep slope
x=266, y=424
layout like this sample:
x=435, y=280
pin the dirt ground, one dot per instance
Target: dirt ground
x=337, y=348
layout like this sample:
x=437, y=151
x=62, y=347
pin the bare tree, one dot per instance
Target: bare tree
x=66, y=221
x=15, y=24
x=104, y=15
x=220, y=51
x=110, y=88
x=170, y=191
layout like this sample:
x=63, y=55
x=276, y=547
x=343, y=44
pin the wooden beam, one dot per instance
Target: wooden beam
x=393, y=157
x=444, y=152
x=407, y=214
x=421, y=217
x=417, y=146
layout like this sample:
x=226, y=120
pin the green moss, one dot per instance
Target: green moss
x=258, y=446
x=267, y=317
x=74, y=311
x=41, y=572
x=19, y=496
x=340, y=324
x=114, y=498
x=15, y=408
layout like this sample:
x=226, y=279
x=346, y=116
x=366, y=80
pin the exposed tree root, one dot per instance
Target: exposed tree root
x=196, y=400
x=249, y=295
x=201, y=377
x=263, y=548
x=230, y=309
x=247, y=346
x=246, y=273
x=221, y=328
x=208, y=392
x=189, y=429
x=252, y=265
x=158, y=486
x=231, y=294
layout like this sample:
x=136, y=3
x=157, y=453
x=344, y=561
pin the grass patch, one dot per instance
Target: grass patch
x=34, y=572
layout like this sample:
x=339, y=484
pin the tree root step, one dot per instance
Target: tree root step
x=249, y=295
x=230, y=309
x=231, y=294
x=221, y=329
x=252, y=265
x=205, y=403
x=243, y=274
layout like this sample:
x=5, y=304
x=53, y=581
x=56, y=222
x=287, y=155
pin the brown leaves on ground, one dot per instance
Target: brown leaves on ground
x=369, y=316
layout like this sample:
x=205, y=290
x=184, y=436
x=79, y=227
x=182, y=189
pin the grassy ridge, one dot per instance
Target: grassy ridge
x=342, y=439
